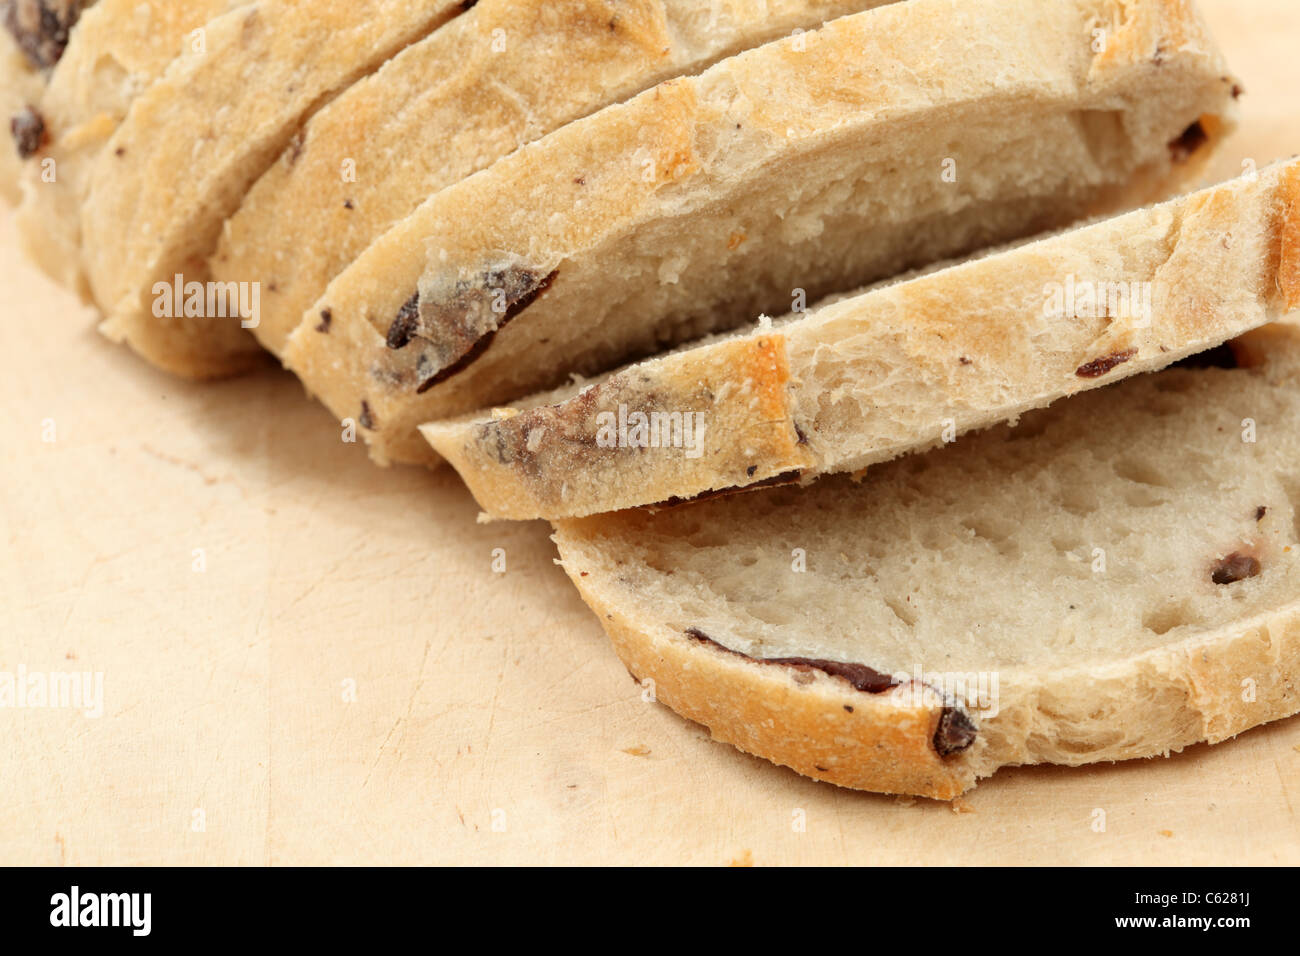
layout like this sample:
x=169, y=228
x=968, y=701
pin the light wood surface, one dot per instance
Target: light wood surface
x=480, y=697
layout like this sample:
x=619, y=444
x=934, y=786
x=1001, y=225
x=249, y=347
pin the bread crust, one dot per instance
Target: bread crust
x=806, y=99
x=508, y=72
x=821, y=728
x=1196, y=685
x=1288, y=267
x=540, y=461
x=155, y=205
x=973, y=346
x=1208, y=683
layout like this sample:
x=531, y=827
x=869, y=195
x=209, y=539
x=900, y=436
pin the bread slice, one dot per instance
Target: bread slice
x=117, y=51
x=194, y=142
x=1117, y=577
x=810, y=165
x=33, y=37
x=506, y=73
x=901, y=367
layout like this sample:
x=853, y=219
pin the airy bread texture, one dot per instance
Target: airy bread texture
x=198, y=138
x=872, y=376
x=1119, y=576
x=505, y=73
x=807, y=166
x=118, y=49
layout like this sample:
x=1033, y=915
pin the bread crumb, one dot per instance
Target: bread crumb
x=502, y=414
x=638, y=751
x=746, y=858
x=959, y=805
x=1166, y=833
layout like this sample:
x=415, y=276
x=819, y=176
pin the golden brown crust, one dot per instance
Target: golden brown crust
x=972, y=343
x=1208, y=685
x=1124, y=697
x=1153, y=31
x=483, y=215
x=348, y=361
x=1288, y=230
x=508, y=72
x=1166, y=700
x=816, y=725
x=726, y=424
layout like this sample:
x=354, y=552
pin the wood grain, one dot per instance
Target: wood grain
x=480, y=697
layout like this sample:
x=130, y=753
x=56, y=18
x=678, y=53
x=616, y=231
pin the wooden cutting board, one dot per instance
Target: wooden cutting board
x=307, y=659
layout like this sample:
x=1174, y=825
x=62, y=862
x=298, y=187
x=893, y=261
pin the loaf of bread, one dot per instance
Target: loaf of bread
x=954, y=551
x=505, y=73
x=899, y=368
x=882, y=141
x=1117, y=577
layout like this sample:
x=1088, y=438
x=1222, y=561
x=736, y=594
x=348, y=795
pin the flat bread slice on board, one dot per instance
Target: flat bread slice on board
x=1118, y=577
x=194, y=142
x=880, y=142
x=504, y=74
x=902, y=367
x=118, y=49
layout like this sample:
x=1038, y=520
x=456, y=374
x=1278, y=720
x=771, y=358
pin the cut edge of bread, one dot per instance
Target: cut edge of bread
x=340, y=351
x=758, y=391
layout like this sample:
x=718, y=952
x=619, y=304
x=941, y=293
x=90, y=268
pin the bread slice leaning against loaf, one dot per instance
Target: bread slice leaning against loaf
x=117, y=51
x=1097, y=584
x=882, y=141
x=194, y=142
x=33, y=37
x=902, y=367
x=505, y=73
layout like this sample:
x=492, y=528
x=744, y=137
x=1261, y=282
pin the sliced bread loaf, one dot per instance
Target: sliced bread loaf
x=901, y=367
x=118, y=50
x=882, y=141
x=1117, y=577
x=194, y=142
x=507, y=72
